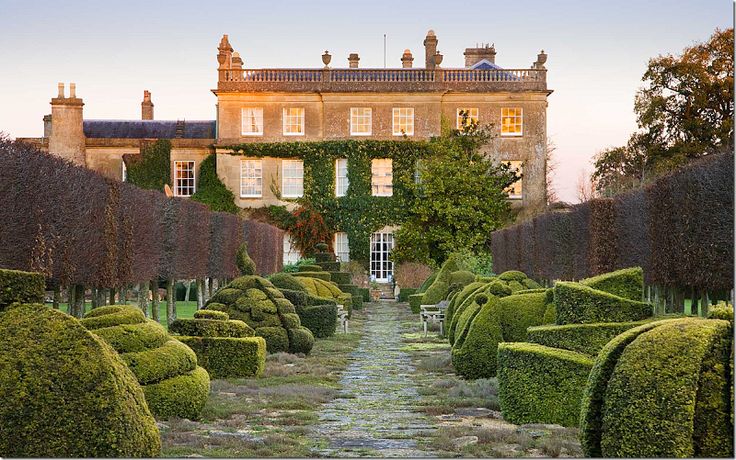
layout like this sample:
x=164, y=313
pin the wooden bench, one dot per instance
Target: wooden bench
x=342, y=315
x=434, y=313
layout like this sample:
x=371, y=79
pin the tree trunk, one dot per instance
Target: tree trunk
x=186, y=293
x=57, y=297
x=79, y=306
x=170, y=302
x=143, y=297
x=200, y=293
x=706, y=304
x=93, y=296
x=211, y=288
x=103, y=296
x=123, y=297
x=154, y=300
x=70, y=299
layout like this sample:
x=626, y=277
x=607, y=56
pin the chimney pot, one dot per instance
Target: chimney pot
x=61, y=90
x=72, y=90
x=353, y=60
x=146, y=106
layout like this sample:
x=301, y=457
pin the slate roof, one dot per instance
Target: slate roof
x=148, y=129
x=485, y=64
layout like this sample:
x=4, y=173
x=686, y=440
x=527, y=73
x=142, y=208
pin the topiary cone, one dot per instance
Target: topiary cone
x=244, y=262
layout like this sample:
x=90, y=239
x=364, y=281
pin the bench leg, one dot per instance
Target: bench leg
x=424, y=323
x=442, y=327
x=345, y=326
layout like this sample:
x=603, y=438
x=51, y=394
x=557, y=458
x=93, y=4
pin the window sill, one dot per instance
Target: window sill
x=251, y=134
x=251, y=196
x=361, y=134
x=293, y=134
x=512, y=135
x=403, y=134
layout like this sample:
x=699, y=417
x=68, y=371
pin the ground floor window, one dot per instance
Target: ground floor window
x=291, y=253
x=382, y=268
x=184, y=178
x=342, y=247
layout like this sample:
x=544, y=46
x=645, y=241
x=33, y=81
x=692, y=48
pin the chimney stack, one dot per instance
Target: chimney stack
x=66, y=136
x=224, y=56
x=146, y=106
x=477, y=54
x=353, y=60
x=407, y=59
x=430, y=49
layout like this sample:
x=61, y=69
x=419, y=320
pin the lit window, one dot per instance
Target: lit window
x=294, y=121
x=293, y=181
x=342, y=247
x=515, y=189
x=252, y=121
x=360, y=121
x=184, y=178
x=124, y=171
x=382, y=177
x=341, y=177
x=472, y=116
x=512, y=122
x=251, y=178
x=291, y=253
x=403, y=121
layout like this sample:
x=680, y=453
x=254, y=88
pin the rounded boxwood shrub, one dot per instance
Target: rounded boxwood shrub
x=211, y=327
x=325, y=276
x=404, y=293
x=583, y=338
x=20, y=286
x=309, y=268
x=127, y=338
x=321, y=320
x=627, y=283
x=427, y=283
x=512, y=275
x=689, y=362
x=459, y=298
x=286, y=281
x=211, y=314
x=538, y=384
x=170, y=364
x=468, y=294
x=439, y=288
x=229, y=357
x=321, y=288
x=461, y=278
x=577, y=303
x=465, y=319
x=66, y=393
x=341, y=277
x=276, y=337
x=245, y=264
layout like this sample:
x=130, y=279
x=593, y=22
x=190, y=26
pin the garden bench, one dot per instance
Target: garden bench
x=342, y=315
x=434, y=313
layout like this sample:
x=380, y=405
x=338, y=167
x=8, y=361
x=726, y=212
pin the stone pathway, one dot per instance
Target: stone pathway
x=374, y=414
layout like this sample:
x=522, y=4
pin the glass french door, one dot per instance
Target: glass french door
x=382, y=269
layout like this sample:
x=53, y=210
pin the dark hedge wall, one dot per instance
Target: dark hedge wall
x=679, y=229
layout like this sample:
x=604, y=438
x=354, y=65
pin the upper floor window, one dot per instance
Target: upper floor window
x=466, y=116
x=515, y=190
x=382, y=177
x=403, y=121
x=251, y=178
x=184, y=184
x=342, y=247
x=360, y=121
x=293, y=121
x=512, y=121
x=252, y=121
x=293, y=178
x=341, y=177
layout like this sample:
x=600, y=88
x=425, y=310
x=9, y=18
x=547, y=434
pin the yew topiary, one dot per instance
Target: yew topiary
x=244, y=262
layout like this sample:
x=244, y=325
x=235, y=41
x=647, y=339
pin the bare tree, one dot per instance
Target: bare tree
x=586, y=186
x=550, y=161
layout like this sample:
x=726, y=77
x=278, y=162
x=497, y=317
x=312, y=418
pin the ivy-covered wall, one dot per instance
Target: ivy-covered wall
x=358, y=213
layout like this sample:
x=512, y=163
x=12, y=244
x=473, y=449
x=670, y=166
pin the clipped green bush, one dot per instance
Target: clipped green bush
x=211, y=314
x=582, y=338
x=722, y=311
x=325, y=276
x=129, y=338
x=465, y=319
x=169, y=360
x=461, y=278
x=321, y=288
x=427, y=283
x=627, y=283
x=321, y=320
x=330, y=266
x=66, y=393
x=460, y=307
x=113, y=315
x=415, y=302
x=182, y=396
x=211, y=327
x=458, y=299
x=531, y=284
x=339, y=278
x=550, y=314
x=286, y=281
x=365, y=293
x=264, y=308
x=538, y=384
x=245, y=264
x=688, y=361
x=500, y=289
x=22, y=287
x=439, y=288
x=531, y=291
x=576, y=303
x=512, y=275
x=229, y=357
x=404, y=293
x=309, y=268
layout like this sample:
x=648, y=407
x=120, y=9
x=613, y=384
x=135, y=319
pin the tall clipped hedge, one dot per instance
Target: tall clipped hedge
x=76, y=227
x=679, y=229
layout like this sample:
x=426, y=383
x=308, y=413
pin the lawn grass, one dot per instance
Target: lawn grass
x=183, y=309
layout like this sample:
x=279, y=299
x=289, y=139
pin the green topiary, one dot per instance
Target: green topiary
x=427, y=283
x=465, y=319
x=22, y=287
x=627, y=283
x=404, y=293
x=439, y=288
x=277, y=339
x=113, y=315
x=519, y=312
x=321, y=247
x=415, y=302
x=582, y=338
x=229, y=357
x=688, y=362
x=530, y=284
x=330, y=266
x=515, y=286
x=576, y=303
x=512, y=275
x=339, y=278
x=462, y=278
x=182, y=396
x=244, y=262
x=211, y=314
x=499, y=289
x=365, y=293
x=453, y=330
x=321, y=320
x=169, y=360
x=538, y=384
x=224, y=296
x=286, y=281
x=722, y=311
x=65, y=393
x=550, y=314
x=130, y=338
x=531, y=291
x=458, y=299
x=325, y=276
x=309, y=268
x=211, y=327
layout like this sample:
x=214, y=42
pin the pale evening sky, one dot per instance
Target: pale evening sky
x=598, y=52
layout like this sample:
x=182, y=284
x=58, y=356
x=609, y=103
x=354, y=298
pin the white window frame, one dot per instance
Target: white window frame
x=358, y=117
x=342, y=247
x=518, y=166
x=251, y=169
x=381, y=265
x=293, y=120
x=379, y=171
x=292, y=175
x=472, y=115
x=180, y=188
x=291, y=253
x=257, y=115
x=407, y=115
x=518, y=120
x=341, y=182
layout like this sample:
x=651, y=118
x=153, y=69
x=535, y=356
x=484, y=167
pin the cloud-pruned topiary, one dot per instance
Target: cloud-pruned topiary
x=244, y=262
x=627, y=283
x=174, y=385
x=286, y=281
x=438, y=290
x=66, y=393
x=577, y=303
x=588, y=338
x=321, y=288
x=257, y=302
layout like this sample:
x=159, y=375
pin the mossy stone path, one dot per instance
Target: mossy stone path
x=375, y=413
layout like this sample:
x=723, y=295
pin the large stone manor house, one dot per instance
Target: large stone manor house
x=322, y=103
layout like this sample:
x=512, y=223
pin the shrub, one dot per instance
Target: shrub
x=229, y=357
x=410, y=275
x=325, y=276
x=722, y=311
x=244, y=262
x=300, y=339
x=459, y=298
x=341, y=278
x=22, y=287
x=308, y=268
x=295, y=297
x=687, y=360
x=169, y=360
x=550, y=314
x=461, y=278
x=512, y=275
x=500, y=289
x=211, y=314
x=519, y=312
x=531, y=291
x=539, y=384
x=211, y=327
x=277, y=339
x=129, y=338
x=286, y=281
x=210, y=189
x=365, y=293
x=576, y=303
x=438, y=290
x=404, y=293
x=627, y=283
x=465, y=319
x=582, y=338
x=65, y=393
x=331, y=266
x=428, y=282
x=321, y=320
x=415, y=302
x=319, y=287
x=182, y=396
x=115, y=316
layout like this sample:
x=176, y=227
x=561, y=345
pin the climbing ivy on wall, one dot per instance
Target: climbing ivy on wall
x=152, y=168
x=358, y=213
x=210, y=189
